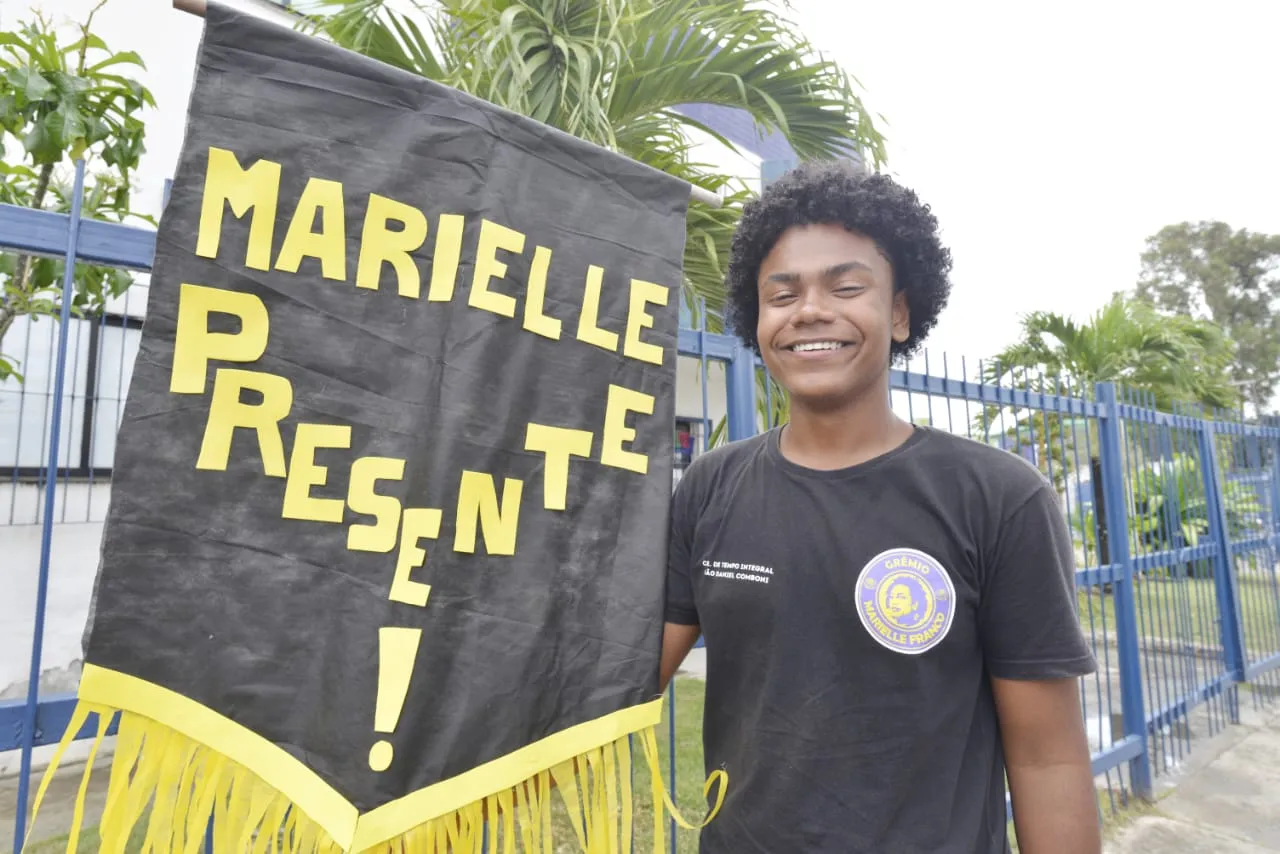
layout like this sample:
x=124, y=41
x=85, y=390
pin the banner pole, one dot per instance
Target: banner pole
x=698, y=194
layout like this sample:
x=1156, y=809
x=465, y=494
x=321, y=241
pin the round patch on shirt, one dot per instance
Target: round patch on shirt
x=906, y=600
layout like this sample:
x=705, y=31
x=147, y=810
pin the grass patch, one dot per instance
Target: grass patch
x=1186, y=610
x=688, y=794
x=1117, y=814
x=89, y=841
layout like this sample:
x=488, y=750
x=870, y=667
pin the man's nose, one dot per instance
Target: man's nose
x=812, y=308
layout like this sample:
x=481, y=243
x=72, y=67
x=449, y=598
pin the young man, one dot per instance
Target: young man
x=888, y=609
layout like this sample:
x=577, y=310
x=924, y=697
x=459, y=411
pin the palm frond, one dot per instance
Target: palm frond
x=731, y=54
x=373, y=28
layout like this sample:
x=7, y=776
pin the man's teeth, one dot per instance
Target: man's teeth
x=817, y=345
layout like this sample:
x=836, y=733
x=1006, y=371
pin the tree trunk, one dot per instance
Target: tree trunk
x=7, y=317
x=1100, y=515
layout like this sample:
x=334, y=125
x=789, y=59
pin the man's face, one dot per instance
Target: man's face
x=828, y=314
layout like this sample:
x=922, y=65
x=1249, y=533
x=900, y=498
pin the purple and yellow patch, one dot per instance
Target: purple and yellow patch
x=906, y=600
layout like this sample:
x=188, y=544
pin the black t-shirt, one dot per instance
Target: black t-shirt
x=852, y=621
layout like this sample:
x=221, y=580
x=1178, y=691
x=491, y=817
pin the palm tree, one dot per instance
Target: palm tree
x=1171, y=360
x=617, y=72
x=1162, y=362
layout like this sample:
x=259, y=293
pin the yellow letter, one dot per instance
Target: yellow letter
x=478, y=501
x=194, y=345
x=329, y=244
x=254, y=189
x=588, y=330
x=643, y=293
x=534, y=319
x=226, y=413
x=621, y=401
x=361, y=498
x=492, y=238
x=379, y=244
x=304, y=473
x=419, y=524
x=558, y=443
x=444, y=264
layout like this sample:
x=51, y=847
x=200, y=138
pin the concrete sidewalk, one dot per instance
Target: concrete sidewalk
x=1225, y=800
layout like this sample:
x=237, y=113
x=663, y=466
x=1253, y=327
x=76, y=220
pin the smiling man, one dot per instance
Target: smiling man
x=912, y=636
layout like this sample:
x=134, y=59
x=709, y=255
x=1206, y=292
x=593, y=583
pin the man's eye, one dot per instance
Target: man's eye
x=849, y=290
x=781, y=297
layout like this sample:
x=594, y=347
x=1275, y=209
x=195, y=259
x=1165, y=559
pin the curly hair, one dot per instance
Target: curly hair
x=841, y=193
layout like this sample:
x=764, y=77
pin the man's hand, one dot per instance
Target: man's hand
x=677, y=640
x=1055, y=806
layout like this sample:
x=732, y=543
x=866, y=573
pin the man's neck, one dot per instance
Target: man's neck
x=839, y=438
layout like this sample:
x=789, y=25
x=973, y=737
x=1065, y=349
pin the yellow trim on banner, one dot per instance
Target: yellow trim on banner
x=195, y=766
x=277, y=768
x=390, y=820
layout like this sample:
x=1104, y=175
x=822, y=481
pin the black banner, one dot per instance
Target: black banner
x=392, y=484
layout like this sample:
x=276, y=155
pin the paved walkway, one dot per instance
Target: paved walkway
x=1225, y=801
x=59, y=803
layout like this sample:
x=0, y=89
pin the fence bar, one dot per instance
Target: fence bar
x=740, y=388
x=1224, y=577
x=1274, y=532
x=30, y=231
x=46, y=528
x=1130, y=656
x=712, y=345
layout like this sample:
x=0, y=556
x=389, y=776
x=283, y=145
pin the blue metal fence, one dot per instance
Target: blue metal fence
x=1175, y=516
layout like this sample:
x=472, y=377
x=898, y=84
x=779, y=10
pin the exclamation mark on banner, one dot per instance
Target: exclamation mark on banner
x=397, y=651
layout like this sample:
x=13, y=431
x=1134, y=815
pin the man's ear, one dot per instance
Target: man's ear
x=901, y=317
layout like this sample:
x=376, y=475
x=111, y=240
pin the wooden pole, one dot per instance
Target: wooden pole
x=699, y=194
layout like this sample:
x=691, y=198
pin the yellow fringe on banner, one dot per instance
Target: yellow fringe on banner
x=180, y=785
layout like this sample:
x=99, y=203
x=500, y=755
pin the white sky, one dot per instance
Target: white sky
x=1052, y=139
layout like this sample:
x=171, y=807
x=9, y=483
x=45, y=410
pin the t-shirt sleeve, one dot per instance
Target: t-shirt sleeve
x=1027, y=614
x=681, y=607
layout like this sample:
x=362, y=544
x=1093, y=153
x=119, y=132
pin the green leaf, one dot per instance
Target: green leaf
x=66, y=125
x=123, y=57
x=36, y=87
x=70, y=87
x=16, y=169
x=41, y=144
x=9, y=115
x=9, y=369
x=31, y=83
x=93, y=43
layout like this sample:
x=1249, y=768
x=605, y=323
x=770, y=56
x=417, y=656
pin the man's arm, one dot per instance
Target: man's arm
x=1055, y=807
x=677, y=640
x=1035, y=651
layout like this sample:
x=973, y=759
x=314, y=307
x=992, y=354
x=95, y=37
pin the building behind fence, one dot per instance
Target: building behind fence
x=1175, y=516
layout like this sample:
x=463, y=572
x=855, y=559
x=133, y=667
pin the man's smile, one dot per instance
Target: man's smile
x=816, y=349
